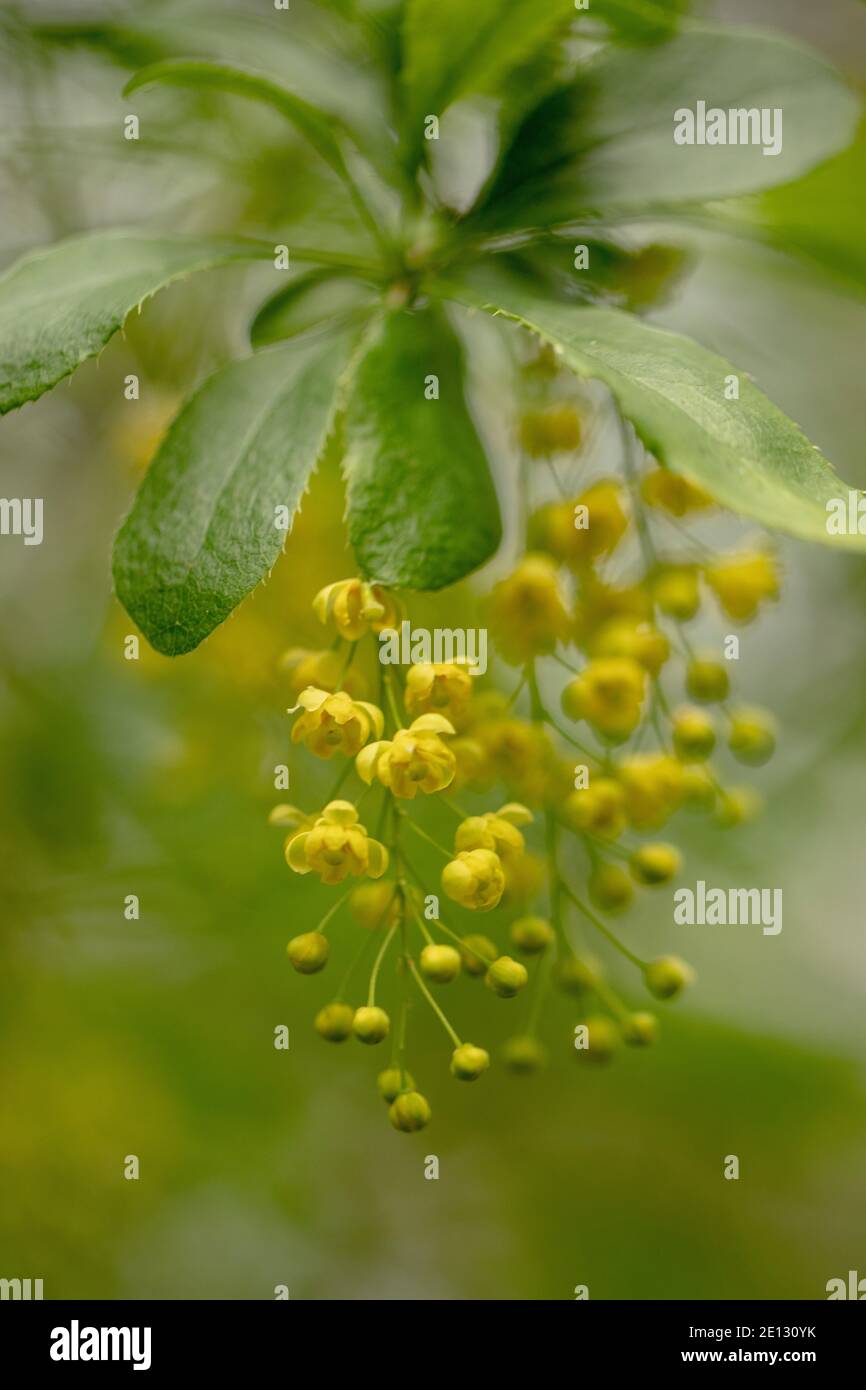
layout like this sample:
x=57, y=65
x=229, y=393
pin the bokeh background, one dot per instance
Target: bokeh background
x=261, y=1167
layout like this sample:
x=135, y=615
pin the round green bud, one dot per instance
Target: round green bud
x=640, y=1029
x=577, y=974
x=371, y=1025
x=693, y=734
x=441, y=964
x=602, y=1038
x=506, y=977
x=667, y=976
x=523, y=1054
x=308, y=952
x=676, y=592
x=610, y=887
x=752, y=736
x=532, y=934
x=392, y=1081
x=654, y=864
x=410, y=1111
x=334, y=1022
x=476, y=953
x=707, y=680
x=468, y=1062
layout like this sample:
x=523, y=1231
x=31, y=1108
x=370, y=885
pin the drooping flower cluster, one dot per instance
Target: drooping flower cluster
x=600, y=601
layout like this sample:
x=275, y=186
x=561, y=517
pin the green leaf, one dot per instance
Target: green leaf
x=203, y=529
x=313, y=298
x=60, y=305
x=605, y=142
x=453, y=49
x=638, y=21
x=315, y=125
x=421, y=505
x=745, y=452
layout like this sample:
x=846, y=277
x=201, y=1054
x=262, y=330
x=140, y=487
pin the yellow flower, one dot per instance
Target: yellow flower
x=523, y=755
x=473, y=764
x=641, y=642
x=552, y=431
x=496, y=830
x=598, y=809
x=441, y=689
x=674, y=493
x=527, y=611
x=524, y=878
x=654, y=786
x=675, y=590
x=336, y=846
x=608, y=694
x=334, y=723
x=742, y=582
x=474, y=879
x=579, y=531
x=356, y=607
x=415, y=759
x=324, y=669
x=600, y=603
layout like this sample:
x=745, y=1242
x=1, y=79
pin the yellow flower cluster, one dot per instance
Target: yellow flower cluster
x=610, y=756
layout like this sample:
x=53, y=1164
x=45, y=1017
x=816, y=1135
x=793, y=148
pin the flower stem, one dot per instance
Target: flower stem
x=434, y=1006
x=597, y=922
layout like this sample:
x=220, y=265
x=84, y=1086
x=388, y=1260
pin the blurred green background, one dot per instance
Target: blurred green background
x=262, y=1167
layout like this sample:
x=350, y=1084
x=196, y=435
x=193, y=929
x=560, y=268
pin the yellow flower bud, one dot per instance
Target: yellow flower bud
x=640, y=642
x=738, y=806
x=602, y=1039
x=392, y=1081
x=609, y=695
x=743, y=582
x=668, y=976
x=410, y=1111
x=552, y=431
x=752, y=736
x=474, y=878
x=673, y=493
x=441, y=964
x=334, y=1022
x=527, y=610
x=334, y=723
x=415, y=759
x=640, y=1029
x=524, y=878
x=675, y=590
x=371, y=1025
x=654, y=787
x=610, y=887
x=308, y=952
x=699, y=788
x=578, y=974
x=372, y=903
x=438, y=689
x=336, y=847
x=598, y=809
x=496, y=830
x=468, y=1062
x=707, y=680
x=326, y=670
x=356, y=607
x=506, y=977
x=694, y=734
x=477, y=953
x=654, y=864
x=577, y=532
x=523, y=1054
x=532, y=934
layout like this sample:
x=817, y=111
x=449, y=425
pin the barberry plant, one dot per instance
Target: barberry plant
x=597, y=608
x=368, y=355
